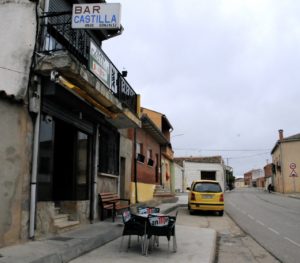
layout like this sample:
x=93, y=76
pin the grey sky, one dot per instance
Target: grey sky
x=225, y=72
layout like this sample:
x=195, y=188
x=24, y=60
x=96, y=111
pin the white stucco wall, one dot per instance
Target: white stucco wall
x=180, y=184
x=18, y=31
x=257, y=174
x=192, y=171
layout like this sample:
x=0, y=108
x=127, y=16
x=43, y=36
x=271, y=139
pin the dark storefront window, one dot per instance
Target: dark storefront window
x=82, y=165
x=44, y=179
x=63, y=161
x=109, y=151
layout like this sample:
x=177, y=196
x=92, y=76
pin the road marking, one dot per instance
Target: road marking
x=250, y=216
x=292, y=241
x=273, y=230
x=259, y=222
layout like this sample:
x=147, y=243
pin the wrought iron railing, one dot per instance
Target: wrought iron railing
x=57, y=34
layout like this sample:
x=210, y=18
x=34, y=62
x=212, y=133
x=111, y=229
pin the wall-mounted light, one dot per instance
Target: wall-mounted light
x=124, y=73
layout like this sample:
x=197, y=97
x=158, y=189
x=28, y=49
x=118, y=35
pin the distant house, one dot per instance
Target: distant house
x=253, y=177
x=268, y=174
x=239, y=183
x=204, y=168
x=286, y=163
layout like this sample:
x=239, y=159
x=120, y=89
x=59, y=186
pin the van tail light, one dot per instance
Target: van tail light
x=193, y=197
x=221, y=198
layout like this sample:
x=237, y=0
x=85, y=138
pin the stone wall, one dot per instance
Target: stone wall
x=15, y=163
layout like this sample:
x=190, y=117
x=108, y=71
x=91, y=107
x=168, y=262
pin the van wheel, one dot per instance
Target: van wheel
x=221, y=213
x=191, y=212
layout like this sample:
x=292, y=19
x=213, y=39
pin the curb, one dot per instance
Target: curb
x=214, y=250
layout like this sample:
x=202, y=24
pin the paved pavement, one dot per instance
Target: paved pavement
x=194, y=244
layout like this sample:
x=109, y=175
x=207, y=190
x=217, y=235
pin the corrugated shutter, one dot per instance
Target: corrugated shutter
x=60, y=5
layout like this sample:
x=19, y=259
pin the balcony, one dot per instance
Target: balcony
x=168, y=152
x=69, y=52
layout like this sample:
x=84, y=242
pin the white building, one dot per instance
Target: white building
x=202, y=168
x=180, y=182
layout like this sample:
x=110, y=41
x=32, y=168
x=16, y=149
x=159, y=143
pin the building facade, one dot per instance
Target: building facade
x=202, y=168
x=268, y=172
x=286, y=164
x=64, y=106
x=254, y=177
x=166, y=152
x=239, y=183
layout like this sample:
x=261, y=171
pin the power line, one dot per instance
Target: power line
x=222, y=150
x=246, y=156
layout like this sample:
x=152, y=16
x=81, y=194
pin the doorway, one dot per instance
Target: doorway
x=64, y=161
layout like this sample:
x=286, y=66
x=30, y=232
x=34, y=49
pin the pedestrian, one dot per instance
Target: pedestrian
x=270, y=188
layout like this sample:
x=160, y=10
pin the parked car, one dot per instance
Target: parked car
x=206, y=195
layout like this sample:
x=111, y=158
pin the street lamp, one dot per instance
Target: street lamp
x=177, y=135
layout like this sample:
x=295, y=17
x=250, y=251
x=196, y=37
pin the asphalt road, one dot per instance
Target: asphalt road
x=272, y=220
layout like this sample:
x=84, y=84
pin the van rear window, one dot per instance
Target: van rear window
x=207, y=188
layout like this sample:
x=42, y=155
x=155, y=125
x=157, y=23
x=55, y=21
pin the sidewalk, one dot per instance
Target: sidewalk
x=71, y=245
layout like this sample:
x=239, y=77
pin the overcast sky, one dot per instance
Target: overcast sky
x=224, y=72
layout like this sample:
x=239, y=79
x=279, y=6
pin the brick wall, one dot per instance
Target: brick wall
x=145, y=172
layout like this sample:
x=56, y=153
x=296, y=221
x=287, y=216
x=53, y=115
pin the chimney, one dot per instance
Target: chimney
x=280, y=135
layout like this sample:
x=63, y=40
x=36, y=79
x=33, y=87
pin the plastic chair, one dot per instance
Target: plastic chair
x=159, y=225
x=133, y=225
x=148, y=210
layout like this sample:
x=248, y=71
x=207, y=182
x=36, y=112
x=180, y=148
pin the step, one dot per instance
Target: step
x=66, y=226
x=166, y=194
x=61, y=218
x=56, y=210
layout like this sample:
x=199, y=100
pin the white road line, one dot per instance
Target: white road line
x=259, y=222
x=251, y=217
x=273, y=230
x=292, y=241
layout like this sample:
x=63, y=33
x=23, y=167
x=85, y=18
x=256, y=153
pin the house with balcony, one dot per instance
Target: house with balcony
x=167, y=154
x=149, y=165
x=286, y=163
x=64, y=108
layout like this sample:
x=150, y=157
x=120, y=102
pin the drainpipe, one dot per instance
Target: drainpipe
x=160, y=167
x=94, y=194
x=281, y=159
x=33, y=181
x=135, y=166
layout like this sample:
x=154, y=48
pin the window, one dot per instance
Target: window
x=139, y=152
x=207, y=188
x=208, y=175
x=149, y=157
x=109, y=151
x=139, y=148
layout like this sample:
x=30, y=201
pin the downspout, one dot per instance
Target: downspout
x=94, y=193
x=160, y=166
x=135, y=165
x=33, y=181
x=281, y=158
x=281, y=164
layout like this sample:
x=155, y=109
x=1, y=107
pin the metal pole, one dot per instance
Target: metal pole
x=135, y=166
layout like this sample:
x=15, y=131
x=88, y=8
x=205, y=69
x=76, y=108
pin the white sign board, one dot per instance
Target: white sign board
x=99, y=64
x=96, y=16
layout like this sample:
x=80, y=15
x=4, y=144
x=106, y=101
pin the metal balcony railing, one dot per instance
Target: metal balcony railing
x=57, y=34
